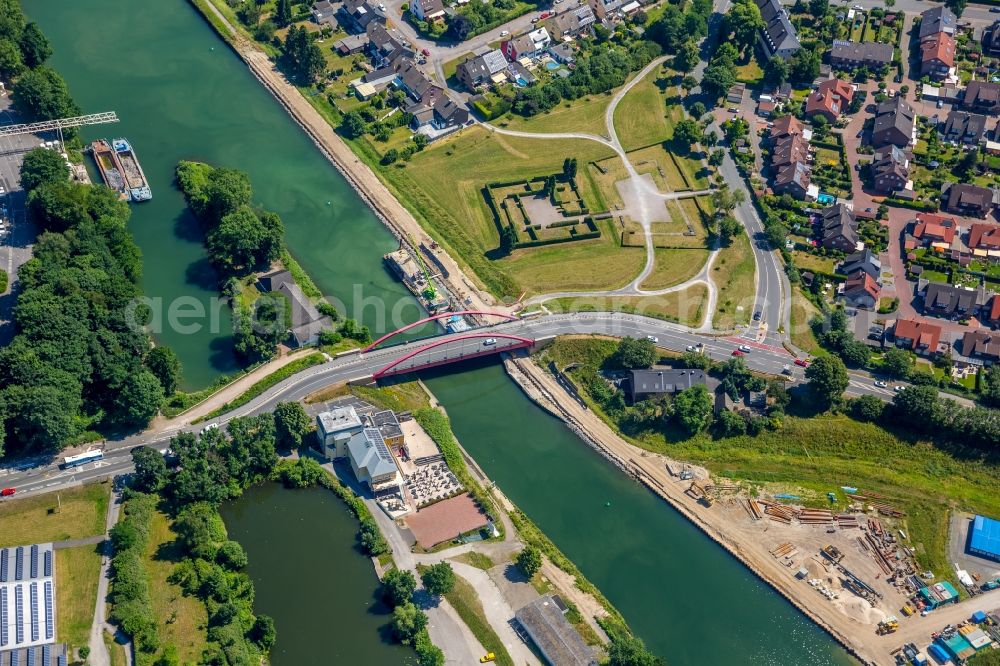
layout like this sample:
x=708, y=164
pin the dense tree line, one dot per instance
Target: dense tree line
x=39, y=93
x=80, y=357
x=131, y=605
x=302, y=57
x=409, y=623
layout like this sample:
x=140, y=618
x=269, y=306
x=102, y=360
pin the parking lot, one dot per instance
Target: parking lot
x=17, y=235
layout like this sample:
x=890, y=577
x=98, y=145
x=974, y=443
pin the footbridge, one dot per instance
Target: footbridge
x=452, y=350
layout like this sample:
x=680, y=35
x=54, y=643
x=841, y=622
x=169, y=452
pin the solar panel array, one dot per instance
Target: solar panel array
x=39, y=655
x=27, y=604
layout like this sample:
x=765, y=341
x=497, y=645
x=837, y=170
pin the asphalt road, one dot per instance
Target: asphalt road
x=42, y=475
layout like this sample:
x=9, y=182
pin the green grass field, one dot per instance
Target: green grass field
x=183, y=619
x=77, y=573
x=69, y=514
x=585, y=114
x=683, y=307
x=115, y=651
x=641, y=117
x=733, y=274
x=674, y=266
x=802, y=313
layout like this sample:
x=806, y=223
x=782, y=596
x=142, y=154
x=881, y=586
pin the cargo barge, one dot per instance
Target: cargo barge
x=110, y=168
x=135, y=179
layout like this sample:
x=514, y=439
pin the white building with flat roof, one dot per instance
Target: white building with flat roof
x=335, y=428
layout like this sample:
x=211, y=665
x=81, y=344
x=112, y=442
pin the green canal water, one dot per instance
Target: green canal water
x=182, y=94
x=312, y=579
x=687, y=598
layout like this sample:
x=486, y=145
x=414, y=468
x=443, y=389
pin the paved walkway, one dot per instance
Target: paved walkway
x=98, y=650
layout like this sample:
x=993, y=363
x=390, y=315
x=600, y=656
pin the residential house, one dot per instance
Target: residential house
x=386, y=45
x=938, y=19
x=966, y=199
x=427, y=10
x=529, y=45
x=605, y=9
x=785, y=126
x=865, y=261
x=890, y=170
x=794, y=179
x=931, y=229
x=306, y=320
x=991, y=39
x=573, y=23
x=838, y=228
x=937, y=55
x=411, y=80
x=862, y=290
x=778, y=37
x=562, y=53
x=984, y=237
x=851, y=55
x=991, y=315
x=441, y=114
x=357, y=15
x=324, y=13
x=982, y=96
x=658, y=381
x=351, y=44
x=483, y=70
x=788, y=149
x=830, y=99
x=894, y=124
x=983, y=346
x=963, y=127
x=950, y=301
x=917, y=336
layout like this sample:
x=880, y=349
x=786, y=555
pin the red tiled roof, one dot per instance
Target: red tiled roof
x=939, y=46
x=995, y=309
x=862, y=280
x=786, y=125
x=935, y=227
x=832, y=96
x=984, y=237
x=921, y=334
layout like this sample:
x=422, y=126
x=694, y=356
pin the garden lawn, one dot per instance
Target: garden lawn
x=640, y=118
x=685, y=307
x=733, y=274
x=68, y=514
x=750, y=73
x=805, y=261
x=672, y=267
x=182, y=619
x=77, y=573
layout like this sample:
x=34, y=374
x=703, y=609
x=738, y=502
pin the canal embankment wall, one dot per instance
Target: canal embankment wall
x=645, y=468
x=358, y=175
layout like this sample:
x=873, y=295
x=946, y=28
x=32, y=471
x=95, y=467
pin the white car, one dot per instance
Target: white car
x=898, y=387
x=880, y=384
x=210, y=426
x=489, y=342
x=690, y=348
x=653, y=339
x=504, y=33
x=745, y=349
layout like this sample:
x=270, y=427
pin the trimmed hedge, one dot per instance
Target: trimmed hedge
x=912, y=205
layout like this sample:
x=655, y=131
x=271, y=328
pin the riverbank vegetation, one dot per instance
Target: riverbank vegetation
x=925, y=473
x=79, y=362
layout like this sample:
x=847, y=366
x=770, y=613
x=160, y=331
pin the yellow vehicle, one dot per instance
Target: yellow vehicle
x=488, y=657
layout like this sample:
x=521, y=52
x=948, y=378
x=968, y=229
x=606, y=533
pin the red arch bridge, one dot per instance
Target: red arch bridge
x=453, y=350
x=442, y=315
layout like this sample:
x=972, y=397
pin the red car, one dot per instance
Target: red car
x=737, y=352
x=425, y=52
x=7, y=492
x=801, y=363
x=544, y=15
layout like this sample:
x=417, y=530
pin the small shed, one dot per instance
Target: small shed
x=979, y=617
